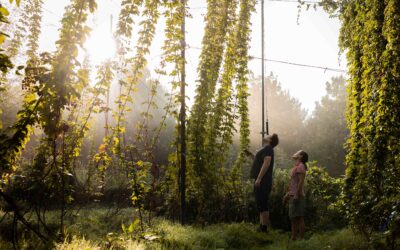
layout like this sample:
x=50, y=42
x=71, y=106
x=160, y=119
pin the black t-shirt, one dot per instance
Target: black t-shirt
x=258, y=162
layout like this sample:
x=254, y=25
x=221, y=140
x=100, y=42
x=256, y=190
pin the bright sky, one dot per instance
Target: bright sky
x=313, y=42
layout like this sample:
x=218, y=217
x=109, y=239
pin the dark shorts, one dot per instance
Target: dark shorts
x=262, y=196
x=296, y=207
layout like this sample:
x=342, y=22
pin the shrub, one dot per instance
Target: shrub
x=323, y=194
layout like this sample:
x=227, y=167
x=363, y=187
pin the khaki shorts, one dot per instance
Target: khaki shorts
x=296, y=207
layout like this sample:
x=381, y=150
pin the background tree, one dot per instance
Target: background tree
x=326, y=130
x=285, y=114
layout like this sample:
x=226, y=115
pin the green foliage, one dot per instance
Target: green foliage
x=215, y=111
x=117, y=151
x=54, y=83
x=341, y=239
x=105, y=75
x=139, y=61
x=243, y=30
x=100, y=228
x=128, y=10
x=235, y=236
x=227, y=236
x=172, y=47
x=325, y=195
x=15, y=42
x=242, y=40
x=370, y=35
x=63, y=84
x=5, y=62
x=34, y=12
x=60, y=104
x=206, y=154
x=26, y=31
x=77, y=244
x=323, y=210
x=214, y=43
x=29, y=19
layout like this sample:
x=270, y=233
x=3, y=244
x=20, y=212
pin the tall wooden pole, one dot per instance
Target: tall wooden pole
x=264, y=112
x=182, y=117
x=262, y=70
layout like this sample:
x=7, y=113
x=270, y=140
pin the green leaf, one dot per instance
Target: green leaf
x=2, y=38
x=4, y=11
x=131, y=228
x=29, y=98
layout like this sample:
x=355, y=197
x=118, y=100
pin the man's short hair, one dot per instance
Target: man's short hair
x=274, y=140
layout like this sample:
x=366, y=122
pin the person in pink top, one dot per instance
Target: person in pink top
x=296, y=196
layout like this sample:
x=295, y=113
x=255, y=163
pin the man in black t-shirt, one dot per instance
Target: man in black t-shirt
x=261, y=171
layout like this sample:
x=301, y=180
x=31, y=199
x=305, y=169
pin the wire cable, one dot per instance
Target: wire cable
x=295, y=1
x=288, y=63
x=301, y=65
x=283, y=1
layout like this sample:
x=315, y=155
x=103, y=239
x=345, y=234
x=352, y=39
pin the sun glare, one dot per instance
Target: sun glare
x=100, y=45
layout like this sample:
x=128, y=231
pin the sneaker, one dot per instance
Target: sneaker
x=262, y=228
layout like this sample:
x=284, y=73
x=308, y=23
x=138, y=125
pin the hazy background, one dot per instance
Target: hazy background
x=313, y=41
x=305, y=105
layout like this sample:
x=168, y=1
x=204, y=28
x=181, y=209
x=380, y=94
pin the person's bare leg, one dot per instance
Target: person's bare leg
x=301, y=227
x=294, y=228
x=264, y=218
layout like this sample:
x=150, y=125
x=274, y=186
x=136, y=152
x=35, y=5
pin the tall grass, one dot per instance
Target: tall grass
x=226, y=236
x=344, y=239
x=100, y=228
x=221, y=236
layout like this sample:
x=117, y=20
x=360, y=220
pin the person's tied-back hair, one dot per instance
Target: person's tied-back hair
x=304, y=157
x=274, y=140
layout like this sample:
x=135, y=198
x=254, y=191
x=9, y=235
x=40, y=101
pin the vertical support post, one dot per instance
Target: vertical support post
x=182, y=117
x=262, y=71
x=111, y=25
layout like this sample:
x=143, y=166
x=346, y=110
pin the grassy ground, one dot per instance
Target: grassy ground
x=101, y=229
x=226, y=236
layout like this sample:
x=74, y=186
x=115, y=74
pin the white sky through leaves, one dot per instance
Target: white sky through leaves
x=313, y=42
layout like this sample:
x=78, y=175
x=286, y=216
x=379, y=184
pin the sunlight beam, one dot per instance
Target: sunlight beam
x=101, y=45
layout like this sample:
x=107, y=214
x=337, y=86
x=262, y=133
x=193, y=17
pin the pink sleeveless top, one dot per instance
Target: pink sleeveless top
x=294, y=178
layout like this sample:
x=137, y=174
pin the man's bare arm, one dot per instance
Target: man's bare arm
x=264, y=169
x=249, y=154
